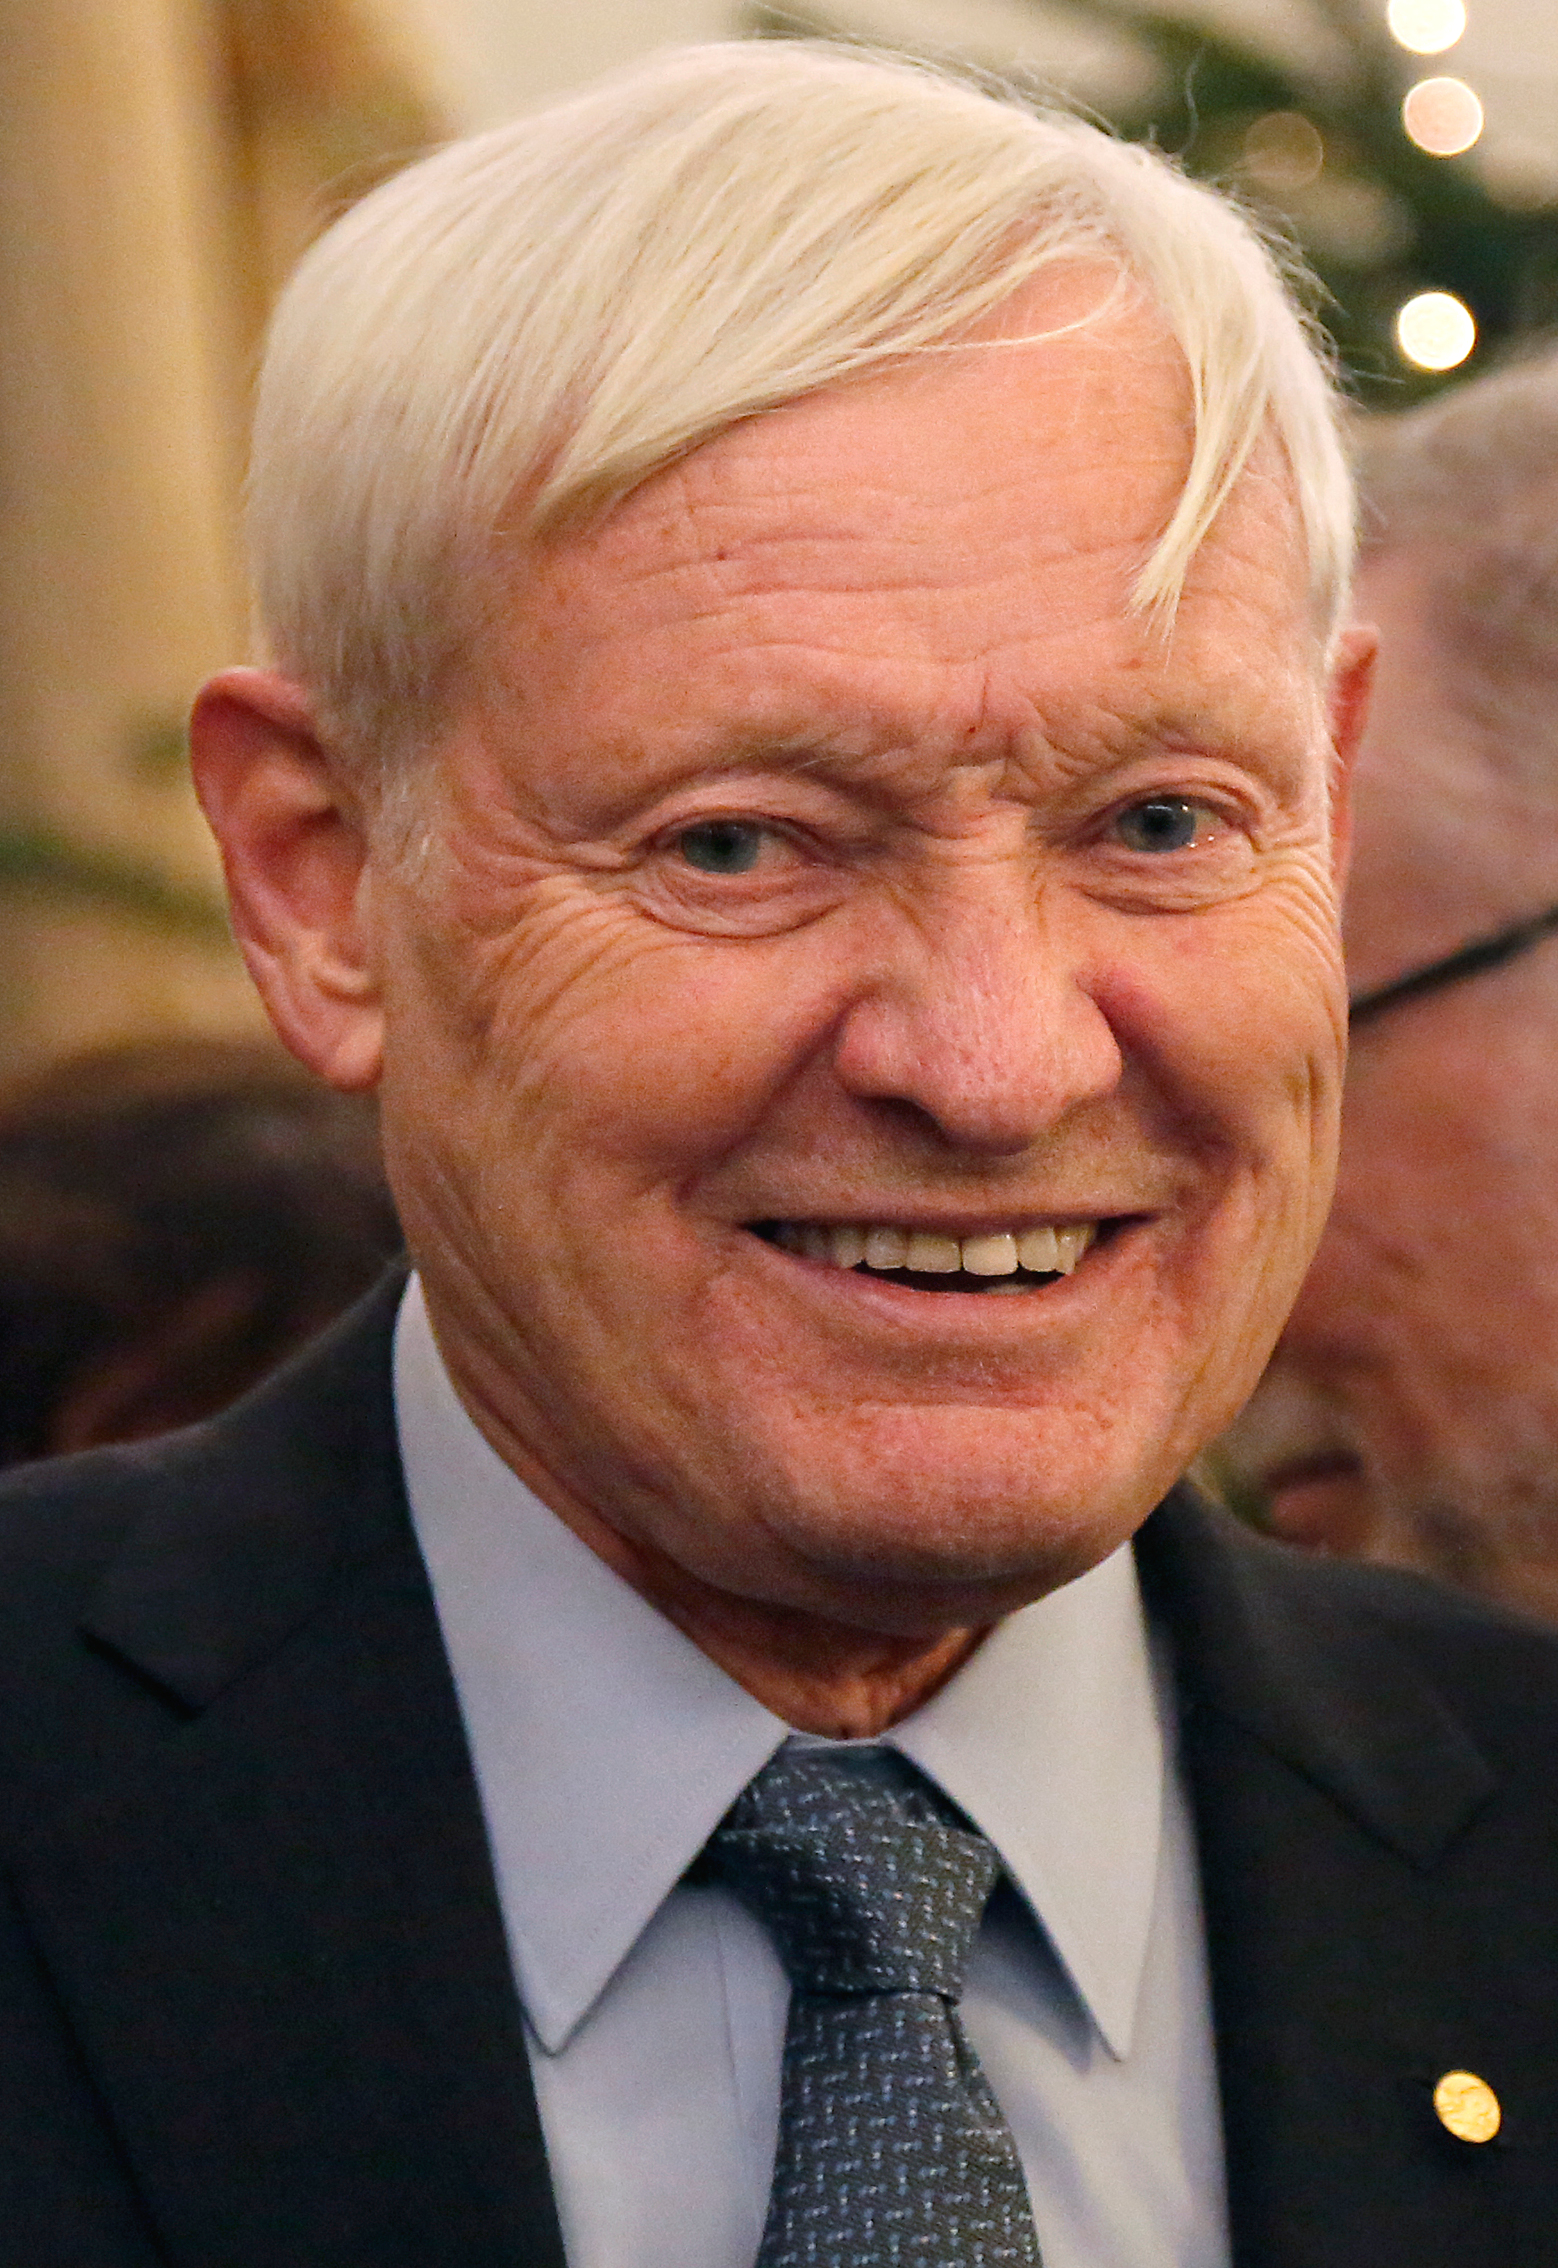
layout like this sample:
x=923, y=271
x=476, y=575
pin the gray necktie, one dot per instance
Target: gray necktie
x=892, y=2148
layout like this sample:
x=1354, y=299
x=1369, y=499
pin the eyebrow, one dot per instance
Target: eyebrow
x=1469, y=960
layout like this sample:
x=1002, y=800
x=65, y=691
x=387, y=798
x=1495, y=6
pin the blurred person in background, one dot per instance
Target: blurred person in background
x=1410, y=1414
x=175, y=1217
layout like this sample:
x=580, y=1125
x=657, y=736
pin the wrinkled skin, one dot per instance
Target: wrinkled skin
x=882, y=636
x=1411, y=1414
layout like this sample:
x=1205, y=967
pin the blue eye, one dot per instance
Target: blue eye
x=1162, y=823
x=722, y=846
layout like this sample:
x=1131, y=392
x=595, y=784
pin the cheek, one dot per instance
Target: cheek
x=584, y=1038
x=1419, y=1185
x=1405, y=1314
x=1238, y=1019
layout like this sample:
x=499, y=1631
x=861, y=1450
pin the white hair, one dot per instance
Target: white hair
x=510, y=336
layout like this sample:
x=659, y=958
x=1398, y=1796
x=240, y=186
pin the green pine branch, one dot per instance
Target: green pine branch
x=42, y=858
x=1449, y=231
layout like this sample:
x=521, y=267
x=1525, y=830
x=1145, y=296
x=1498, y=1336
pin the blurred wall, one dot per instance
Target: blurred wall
x=503, y=55
x=118, y=470
x=161, y=164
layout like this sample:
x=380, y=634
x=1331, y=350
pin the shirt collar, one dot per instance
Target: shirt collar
x=603, y=1737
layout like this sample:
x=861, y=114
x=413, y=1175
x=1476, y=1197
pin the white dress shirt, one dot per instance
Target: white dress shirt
x=607, y=1747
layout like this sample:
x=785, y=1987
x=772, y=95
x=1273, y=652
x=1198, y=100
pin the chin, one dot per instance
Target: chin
x=912, y=1550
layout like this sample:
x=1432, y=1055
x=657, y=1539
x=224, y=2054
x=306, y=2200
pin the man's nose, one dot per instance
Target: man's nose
x=980, y=1023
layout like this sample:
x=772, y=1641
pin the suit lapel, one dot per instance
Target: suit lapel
x=275, y=1929
x=1334, y=1796
x=269, y=1911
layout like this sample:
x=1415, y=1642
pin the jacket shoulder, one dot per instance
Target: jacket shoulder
x=226, y=1527
x=1248, y=1615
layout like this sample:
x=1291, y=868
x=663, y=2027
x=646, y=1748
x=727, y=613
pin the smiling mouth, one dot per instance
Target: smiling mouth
x=1317, y=1501
x=1305, y=1471
x=1002, y=1260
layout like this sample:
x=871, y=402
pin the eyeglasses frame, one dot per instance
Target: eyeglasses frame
x=1469, y=960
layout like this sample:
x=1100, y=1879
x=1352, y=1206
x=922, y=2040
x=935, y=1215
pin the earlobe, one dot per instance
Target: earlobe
x=296, y=856
x=1351, y=683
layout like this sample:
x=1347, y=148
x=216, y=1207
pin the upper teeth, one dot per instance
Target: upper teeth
x=1038, y=1251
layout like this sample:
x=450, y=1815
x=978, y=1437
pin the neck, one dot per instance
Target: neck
x=819, y=1676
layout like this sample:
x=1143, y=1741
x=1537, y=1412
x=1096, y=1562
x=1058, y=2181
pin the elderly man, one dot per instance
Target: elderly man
x=1411, y=1413
x=802, y=758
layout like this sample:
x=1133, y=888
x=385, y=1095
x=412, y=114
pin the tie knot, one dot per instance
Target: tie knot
x=867, y=1882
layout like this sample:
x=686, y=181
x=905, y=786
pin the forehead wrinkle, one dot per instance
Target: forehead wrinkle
x=948, y=604
x=789, y=700
x=893, y=518
x=759, y=519
x=808, y=671
x=897, y=734
x=978, y=611
x=892, y=757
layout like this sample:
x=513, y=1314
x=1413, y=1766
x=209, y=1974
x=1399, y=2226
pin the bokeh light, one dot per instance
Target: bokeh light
x=1442, y=116
x=1283, y=150
x=1427, y=27
x=1435, y=330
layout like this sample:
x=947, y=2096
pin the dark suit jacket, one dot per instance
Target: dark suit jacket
x=255, y=2006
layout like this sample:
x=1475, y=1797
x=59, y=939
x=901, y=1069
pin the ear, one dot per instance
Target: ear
x=296, y=857
x=1347, y=702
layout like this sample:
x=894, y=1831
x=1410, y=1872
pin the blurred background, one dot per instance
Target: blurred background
x=162, y=162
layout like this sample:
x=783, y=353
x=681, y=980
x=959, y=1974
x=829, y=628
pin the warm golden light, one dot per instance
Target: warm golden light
x=1442, y=116
x=1427, y=27
x=1283, y=150
x=1435, y=331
